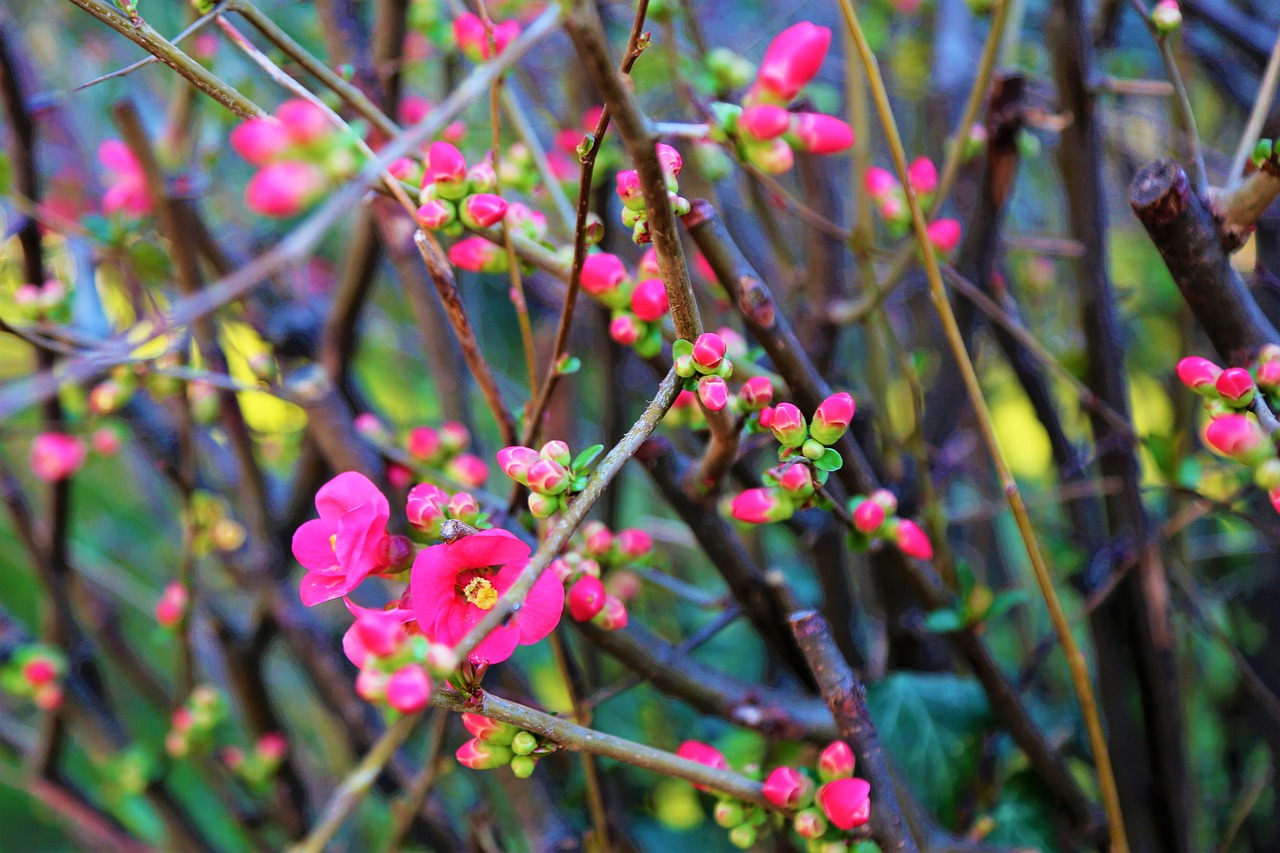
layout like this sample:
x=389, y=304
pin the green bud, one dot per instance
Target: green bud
x=743, y=837
x=729, y=813
x=522, y=765
x=524, y=743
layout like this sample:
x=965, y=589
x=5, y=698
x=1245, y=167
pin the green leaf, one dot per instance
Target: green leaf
x=829, y=461
x=586, y=457
x=1006, y=601
x=1024, y=817
x=943, y=621
x=681, y=347
x=568, y=365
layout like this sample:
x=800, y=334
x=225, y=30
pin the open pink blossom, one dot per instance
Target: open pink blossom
x=455, y=584
x=349, y=540
x=375, y=632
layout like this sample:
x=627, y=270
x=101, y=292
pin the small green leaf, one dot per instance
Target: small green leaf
x=1006, y=601
x=681, y=347
x=586, y=457
x=943, y=621
x=568, y=365
x=829, y=461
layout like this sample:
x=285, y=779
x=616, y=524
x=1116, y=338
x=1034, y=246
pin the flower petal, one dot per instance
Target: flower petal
x=488, y=548
x=311, y=548
x=347, y=491
x=317, y=588
x=542, y=609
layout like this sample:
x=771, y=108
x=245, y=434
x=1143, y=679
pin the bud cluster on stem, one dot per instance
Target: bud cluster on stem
x=634, y=214
x=637, y=304
x=553, y=475
x=193, y=727
x=495, y=744
x=874, y=516
x=591, y=594
x=891, y=202
x=35, y=671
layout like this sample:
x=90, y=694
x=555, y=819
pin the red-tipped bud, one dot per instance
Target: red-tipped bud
x=625, y=329
x=822, y=134
x=454, y=436
x=260, y=140
x=787, y=788
x=478, y=255
x=614, y=615
x=944, y=234
x=913, y=541
x=106, y=441
x=463, y=506
x=810, y=823
x=832, y=418
x=556, y=451
x=586, y=598
x=649, y=300
x=629, y=191
x=756, y=393
x=284, y=189
x=846, y=802
x=516, y=461
x=409, y=689
x=764, y=121
x=708, y=352
x=436, y=214
x=879, y=183
x=713, y=392
x=602, y=273
x=446, y=167
x=304, y=120
x=923, y=175
x=669, y=159
x=761, y=506
x=836, y=761
x=272, y=747
x=1269, y=374
x=482, y=210
x=547, y=478
x=868, y=517
x=468, y=469
x=773, y=157
x=425, y=506
x=39, y=671
x=598, y=538
x=369, y=426
x=634, y=543
x=423, y=443
x=702, y=753
x=481, y=755
x=788, y=425
x=172, y=605
x=796, y=479
x=469, y=32
x=489, y=730
x=1199, y=374
x=1236, y=387
x=1237, y=436
x=793, y=59
x=55, y=456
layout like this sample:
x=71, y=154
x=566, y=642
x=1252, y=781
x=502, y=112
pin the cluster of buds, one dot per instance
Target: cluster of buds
x=637, y=305
x=49, y=302
x=299, y=154
x=192, y=727
x=829, y=816
x=494, y=744
x=766, y=133
x=259, y=766
x=35, y=671
x=1167, y=17
x=55, y=456
x=473, y=37
x=444, y=449
x=891, y=202
x=392, y=656
x=126, y=192
x=743, y=820
x=428, y=507
x=552, y=475
x=806, y=459
x=634, y=214
x=874, y=517
x=454, y=195
x=171, y=608
x=1233, y=431
x=479, y=254
x=582, y=571
x=704, y=367
x=213, y=529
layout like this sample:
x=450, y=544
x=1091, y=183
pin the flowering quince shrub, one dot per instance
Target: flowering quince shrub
x=719, y=421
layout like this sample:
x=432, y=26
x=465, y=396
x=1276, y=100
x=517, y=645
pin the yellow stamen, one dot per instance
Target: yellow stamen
x=481, y=593
x=333, y=543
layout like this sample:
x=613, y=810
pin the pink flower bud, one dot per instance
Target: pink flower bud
x=481, y=178
x=649, y=300
x=708, y=352
x=304, y=121
x=846, y=802
x=454, y=436
x=1166, y=16
x=463, y=506
x=797, y=479
x=369, y=425
x=482, y=210
x=648, y=267
x=788, y=425
x=879, y=183
x=923, y=175
x=588, y=567
x=793, y=59
x=692, y=750
x=469, y=32
x=486, y=729
x=515, y=462
x=634, y=543
x=562, y=570
x=1199, y=374
x=1237, y=436
x=756, y=393
x=468, y=469
x=822, y=134
x=836, y=761
x=106, y=441
x=760, y=506
x=614, y=615
x=810, y=823
x=764, y=121
x=586, y=598
x=272, y=747
x=371, y=685
x=868, y=517
x=1269, y=374
x=172, y=605
x=284, y=189
x=409, y=689
x=913, y=541
x=787, y=788
x=55, y=456
x=436, y=214
x=628, y=189
x=669, y=159
x=625, y=329
x=773, y=157
x=547, y=478
x=478, y=255
x=40, y=671
x=557, y=451
x=260, y=140
x=832, y=418
x=599, y=539
x=399, y=476
x=423, y=443
x=1236, y=387
x=425, y=506
x=713, y=392
x=602, y=273
x=379, y=632
x=445, y=166
x=481, y=755
x=944, y=234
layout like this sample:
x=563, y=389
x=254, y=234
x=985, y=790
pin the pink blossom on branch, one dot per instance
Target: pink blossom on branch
x=347, y=543
x=846, y=802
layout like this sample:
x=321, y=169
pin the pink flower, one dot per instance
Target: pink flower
x=879, y=182
x=478, y=255
x=260, y=140
x=127, y=192
x=764, y=121
x=822, y=134
x=836, y=761
x=376, y=633
x=468, y=469
x=55, y=456
x=172, y=605
x=944, y=234
x=284, y=189
x=868, y=516
x=473, y=41
x=305, y=121
x=713, y=392
x=455, y=584
x=788, y=425
x=756, y=393
x=832, y=418
x=349, y=540
x=692, y=750
x=408, y=690
x=787, y=788
x=649, y=300
x=602, y=273
x=482, y=210
x=708, y=352
x=760, y=506
x=846, y=802
x=913, y=541
x=793, y=59
x=586, y=598
x=1236, y=386
x=923, y=175
x=1199, y=374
